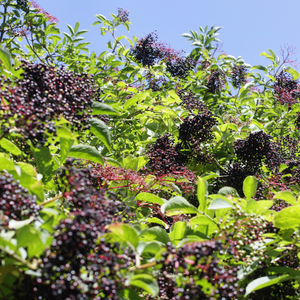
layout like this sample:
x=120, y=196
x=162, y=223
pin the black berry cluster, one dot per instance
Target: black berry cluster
x=196, y=262
x=215, y=81
x=163, y=157
x=256, y=148
x=123, y=15
x=180, y=66
x=297, y=121
x=190, y=101
x=23, y=4
x=147, y=50
x=41, y=97
x=193, y=133
x=238, y=75
x=286, y=90
x=15, y=201
x=80, y=264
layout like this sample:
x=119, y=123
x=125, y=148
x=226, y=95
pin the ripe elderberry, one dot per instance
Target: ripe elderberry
x=286, y=90
x=215, y=81
x=238, y=75
x=123, y=15
x=15, y=201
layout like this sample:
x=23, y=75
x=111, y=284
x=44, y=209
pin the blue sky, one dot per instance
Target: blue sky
x=250, y=27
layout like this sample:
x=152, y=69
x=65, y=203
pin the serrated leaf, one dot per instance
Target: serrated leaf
x=10, y=147
x=250, y=186
x=289, y=217
x=155, y=233
x=286, y=196
x=150, y=198
x=5, y=58
x=101, y=131
x=219, y=203
x=145, y=282
x=103, y=109
x=86, y=152
x=125, y=233
x=70, y=29
x=177, y=206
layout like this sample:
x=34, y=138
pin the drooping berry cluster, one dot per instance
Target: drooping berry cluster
x=215, y=81
x=15, y=201
x=23, y=4
x=256, y=148
x=147, y=50
x=193, y=133
x=196, y=262
x=286, y=90
x=180, y=66
x=190, y=101
x=80, y=264
x=238, y=75
x=167, y=164
x=123, y=15
x=41, y=97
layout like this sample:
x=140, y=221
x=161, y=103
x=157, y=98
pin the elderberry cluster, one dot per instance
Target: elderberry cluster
x=190, y=101
x=147, y=51
x=123, y=15
x=80, y=264
x=180, y=66
x=195, y=262
x=256, y=148
x=23, y=5
x=286, y=90
x=193, y=133
x=238, y=75
x=41, y=97
x=215, y=81
x=15, y=201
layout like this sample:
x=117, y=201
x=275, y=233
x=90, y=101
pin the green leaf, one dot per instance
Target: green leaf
x=86, y=152
x=10, y=147
x=219, y=203
x=286, y=196
x=103, y=109
x=65, y=146
x=202, y=193
x=5, y=58
x=44, y=163
x=155, y=233
x=101, y=131
x=258, y=207
x=157, y=221
x=178, y=230
x=28, y=169
x=125, y=233
x=250, y=186
x=265, y=281
x=201, y=220
x=76, y=27
x=145, y=282
x=150, y=198
x=30, y=237
x=288, y=218
x=177, y=206
x=228, y=190
x=146, y=248
x=71, y=29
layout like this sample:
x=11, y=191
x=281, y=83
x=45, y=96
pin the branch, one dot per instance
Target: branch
x=2, y=25
x=52, y=200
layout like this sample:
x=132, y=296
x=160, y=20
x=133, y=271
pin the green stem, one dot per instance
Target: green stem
x=52, y=200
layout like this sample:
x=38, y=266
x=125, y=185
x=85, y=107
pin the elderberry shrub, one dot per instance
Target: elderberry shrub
x=196, y=263
x=41, y=97
x=285, y=89
x=15, y=201
x=193, y=133
x=23, y=5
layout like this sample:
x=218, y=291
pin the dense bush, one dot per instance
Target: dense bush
x=140, y=172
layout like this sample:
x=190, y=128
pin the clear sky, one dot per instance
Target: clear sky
x=250, y=27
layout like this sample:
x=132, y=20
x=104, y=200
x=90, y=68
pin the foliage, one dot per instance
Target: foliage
x=141, y=173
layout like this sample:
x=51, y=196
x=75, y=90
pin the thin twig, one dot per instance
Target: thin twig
x=52, y=200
